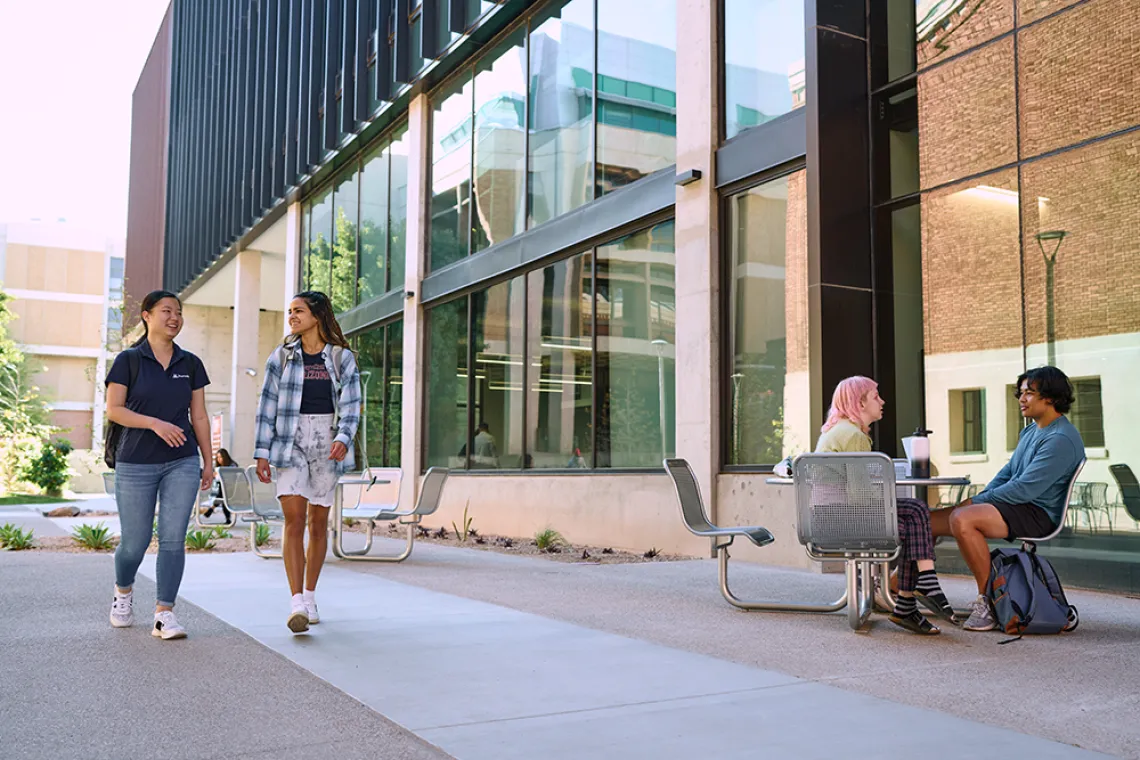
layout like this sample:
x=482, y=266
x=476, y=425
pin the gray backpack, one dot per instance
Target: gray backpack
x=1027, y=595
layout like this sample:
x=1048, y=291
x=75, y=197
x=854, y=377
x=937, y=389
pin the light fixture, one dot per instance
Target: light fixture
x=251, y=371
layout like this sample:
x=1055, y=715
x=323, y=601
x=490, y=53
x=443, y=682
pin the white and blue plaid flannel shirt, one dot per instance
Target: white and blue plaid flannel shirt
x=279, y=411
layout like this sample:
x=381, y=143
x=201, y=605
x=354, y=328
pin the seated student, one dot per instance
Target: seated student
x=854, y=406
x=1027, y=496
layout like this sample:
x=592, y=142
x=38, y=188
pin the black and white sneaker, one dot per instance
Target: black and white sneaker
x=166, y=626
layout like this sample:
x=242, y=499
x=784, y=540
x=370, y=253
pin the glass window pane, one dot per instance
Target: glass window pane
x=768, y=322
x=561, y=109
x=500, y=144
x=445, y=410
x=967, y=421
x=394, y=394
x=1087, y=413
x=560, y=357
x=1089, y=53
x=637, y=60
x=636, y=323
x=398, y=210
x=346, y=199
x=374, y=224
x=320, y=242
x=370, y=361
x=451, y=174
x=967, y=114
x=763, y=61
x=498, y=316
x=943, y=30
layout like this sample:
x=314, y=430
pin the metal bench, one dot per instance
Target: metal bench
x=384, y=510
x=263, y=503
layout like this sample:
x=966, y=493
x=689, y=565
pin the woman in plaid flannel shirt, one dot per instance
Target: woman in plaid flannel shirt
x=854, y=406
x=306, y=421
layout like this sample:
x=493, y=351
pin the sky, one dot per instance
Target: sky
x=67, y=72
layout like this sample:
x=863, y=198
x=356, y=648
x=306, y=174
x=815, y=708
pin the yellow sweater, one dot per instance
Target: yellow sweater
x=844, y=436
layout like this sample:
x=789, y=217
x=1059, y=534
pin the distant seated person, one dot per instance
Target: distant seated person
x=1027, y=497
x=484, y=453
x=221, y=459
x=854, y=406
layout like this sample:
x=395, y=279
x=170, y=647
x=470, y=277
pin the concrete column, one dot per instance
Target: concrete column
x=419, y=155
x=244, y=386
x=697, y=241
x=294, y=255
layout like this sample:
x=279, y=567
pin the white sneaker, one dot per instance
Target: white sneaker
x=298, y=621
x=311, y=610
x=122, y=609
x=166, y=626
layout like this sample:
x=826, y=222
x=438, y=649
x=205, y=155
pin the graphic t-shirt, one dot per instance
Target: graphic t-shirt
x=317, y=391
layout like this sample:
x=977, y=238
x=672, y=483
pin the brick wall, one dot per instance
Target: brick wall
x=971, y=24
x=1080, y=75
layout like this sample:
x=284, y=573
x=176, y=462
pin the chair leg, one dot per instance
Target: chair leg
x=858, y=595
x=257, y=549
x=722, y=559
x=362, y=555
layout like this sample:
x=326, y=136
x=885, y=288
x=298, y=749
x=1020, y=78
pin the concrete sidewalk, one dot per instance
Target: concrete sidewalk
x=73, y=687
x=498, y=657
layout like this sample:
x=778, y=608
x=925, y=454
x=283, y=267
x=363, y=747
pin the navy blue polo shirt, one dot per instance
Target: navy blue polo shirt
x=161, y=393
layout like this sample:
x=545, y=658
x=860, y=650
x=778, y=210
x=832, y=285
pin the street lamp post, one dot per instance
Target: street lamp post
x=659, y=347
x=1050, y=263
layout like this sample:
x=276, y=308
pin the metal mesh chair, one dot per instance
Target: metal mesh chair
x=233, y=519
x=109, y=483
x=1030, y=544
x=696, y=520
x=846, y=510
x=431, y=491
x=263, y=504
x=1129, y=489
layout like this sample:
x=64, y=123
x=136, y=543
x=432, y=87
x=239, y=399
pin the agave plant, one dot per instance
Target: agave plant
x=549, y=540
x=200, y=539
x=261, y=534
x=97, y=537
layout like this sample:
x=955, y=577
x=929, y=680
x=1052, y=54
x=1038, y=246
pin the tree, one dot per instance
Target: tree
x=24, y=421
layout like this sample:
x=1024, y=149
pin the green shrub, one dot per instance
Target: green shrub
x=96, y=537
x=15, y=539
x=220, y=531
x=49, y=470
x=6, y=530
x=200, y=539
x=465, y=531
x=261, y=534
x=549, y=539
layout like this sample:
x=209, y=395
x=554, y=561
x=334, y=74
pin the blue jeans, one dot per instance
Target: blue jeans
x=137, y=489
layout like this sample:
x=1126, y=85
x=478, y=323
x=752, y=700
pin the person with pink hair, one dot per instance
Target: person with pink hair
x=854, y=406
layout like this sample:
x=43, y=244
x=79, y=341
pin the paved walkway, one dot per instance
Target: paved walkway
x=490, y=656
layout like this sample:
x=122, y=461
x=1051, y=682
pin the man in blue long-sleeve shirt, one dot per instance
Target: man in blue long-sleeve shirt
x=1027, y=497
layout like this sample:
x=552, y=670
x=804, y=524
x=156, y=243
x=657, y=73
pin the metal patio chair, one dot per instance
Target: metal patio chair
x=198, y=507
x=1129, y=489
x=1030, y=544
x=846, y=511
x=384, y=509
x=263, y=504
x=109, y=483
x=696, y=520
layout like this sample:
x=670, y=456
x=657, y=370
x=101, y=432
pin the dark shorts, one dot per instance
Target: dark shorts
x=1025, y=520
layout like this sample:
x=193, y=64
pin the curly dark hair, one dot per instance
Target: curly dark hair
x=1049, y=383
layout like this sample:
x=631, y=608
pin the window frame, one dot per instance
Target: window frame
x=725, y=360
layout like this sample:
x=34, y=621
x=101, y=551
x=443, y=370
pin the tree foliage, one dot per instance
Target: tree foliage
x=23, y=413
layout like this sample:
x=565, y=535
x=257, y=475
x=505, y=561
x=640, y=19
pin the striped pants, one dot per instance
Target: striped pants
x=916, y=539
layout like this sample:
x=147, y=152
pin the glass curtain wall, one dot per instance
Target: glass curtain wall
x=764, y=73
x=768, y=392
x=534, y=129
x=355, y=230
x=380, y=353
x=1014, y=227
x=572, y=368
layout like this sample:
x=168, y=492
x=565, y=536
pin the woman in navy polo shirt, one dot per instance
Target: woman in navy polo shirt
x=306, y=420
x=161, y=405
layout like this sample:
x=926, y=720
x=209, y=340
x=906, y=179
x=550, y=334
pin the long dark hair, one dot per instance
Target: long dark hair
x=227, y=460
x=327, y=325
x=148, y=304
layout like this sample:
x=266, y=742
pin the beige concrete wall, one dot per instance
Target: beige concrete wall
x=75, y=427
x=57, y=323
x=66, y=378
x=62, y=270
x=632, y=512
